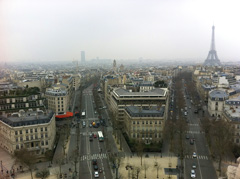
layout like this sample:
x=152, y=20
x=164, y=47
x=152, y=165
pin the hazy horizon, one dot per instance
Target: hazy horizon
x=59, y=30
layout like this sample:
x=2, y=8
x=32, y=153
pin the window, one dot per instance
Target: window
x=26, y=131
x=133, y=122
x=21, y=146
x=31, y=137
x=42, y=136
x=35, y=129
x=20, y=131
x=42, y=143
x=45, y=128
x=46, y=142
x=155, y=122
x=16, y=132
x=17, y=147
x=36, y=136
x=146, y=122
x=41, y=129
x=16, y=139
x=27, y=138
x=31, y=130
x=46, y=135
x=137, y=122
x=21, y=139
x=150, y=122
x=143, y=122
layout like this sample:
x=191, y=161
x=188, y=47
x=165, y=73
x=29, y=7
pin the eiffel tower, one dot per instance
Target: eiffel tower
x=212, y=58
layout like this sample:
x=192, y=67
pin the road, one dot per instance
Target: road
x=90, y=150
x=204, y=163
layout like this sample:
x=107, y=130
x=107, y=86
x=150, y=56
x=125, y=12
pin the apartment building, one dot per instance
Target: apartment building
x=12, y=100
x=216, y=102
x=144, y=125
x=121, y=98
x=231, y=114
x=57, y=99
x=33, y=130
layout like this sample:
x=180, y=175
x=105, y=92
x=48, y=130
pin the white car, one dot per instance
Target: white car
x=96, y=174
x=194, y=155
x=193, y=174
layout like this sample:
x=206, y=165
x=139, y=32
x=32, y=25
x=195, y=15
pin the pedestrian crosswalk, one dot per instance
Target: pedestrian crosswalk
x=195, y=132
x=193, y=124
x=93, y=156
x=199, y=157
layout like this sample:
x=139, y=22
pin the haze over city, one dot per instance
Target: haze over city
x=59, y=30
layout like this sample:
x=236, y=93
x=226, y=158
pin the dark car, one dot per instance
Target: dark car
x=90, y=138
x=95, y=167
x=196, y=111
x=191, y=141
x=94, y=162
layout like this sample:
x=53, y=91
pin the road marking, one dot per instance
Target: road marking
x=93, y=156
x=194, y=132
x=193, y=124
x=202, y=157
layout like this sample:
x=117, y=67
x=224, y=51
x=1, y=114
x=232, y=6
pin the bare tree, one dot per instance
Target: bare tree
x=145, y=167
x=139, y=149
x=158, y=167
x=222, y=135
x=44, y=173
x=26, y=158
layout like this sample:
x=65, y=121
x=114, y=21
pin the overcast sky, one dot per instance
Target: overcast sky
x=49, y=30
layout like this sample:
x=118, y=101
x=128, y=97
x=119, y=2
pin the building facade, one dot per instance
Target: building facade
x=144, y=125
x=57, y=99
x=14, y=100
x=216, y=102
x=33, y=130
x=121, y=98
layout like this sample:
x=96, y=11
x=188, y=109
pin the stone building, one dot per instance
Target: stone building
x=33, y=130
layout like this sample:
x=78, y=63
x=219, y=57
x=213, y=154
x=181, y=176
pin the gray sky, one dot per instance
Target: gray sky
x=118, y=29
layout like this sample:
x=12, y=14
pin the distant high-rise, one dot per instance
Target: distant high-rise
x=83, y=56
x=114, y=66
x=212, y=58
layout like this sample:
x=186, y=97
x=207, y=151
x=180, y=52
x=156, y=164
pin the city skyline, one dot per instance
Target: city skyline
x=60, y=30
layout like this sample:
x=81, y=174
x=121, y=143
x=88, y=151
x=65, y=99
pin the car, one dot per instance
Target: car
x=196, y=111
x=194, y=166
x=191, y=141
x=90, y=125
x=194, y=155
x=193, y=174
x=95, y=135
x=187, y=136
x=104, y=107
x=94, y=162
x=189, y=107
x=90, y=138
x=95, y=167
x=96, y=174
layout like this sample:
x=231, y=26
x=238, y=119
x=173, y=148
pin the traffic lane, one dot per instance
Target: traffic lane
x=188, y=167
x=207, y=169
x=84, y=166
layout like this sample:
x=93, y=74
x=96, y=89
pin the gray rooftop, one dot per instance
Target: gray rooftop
x=135, y=111
x=155, y=92
x=218, y=94
x=28, y=118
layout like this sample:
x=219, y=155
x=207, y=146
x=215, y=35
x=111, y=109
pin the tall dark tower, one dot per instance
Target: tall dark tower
x=212, y=58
